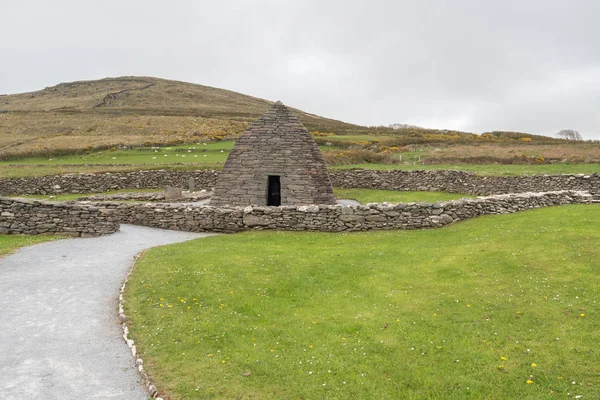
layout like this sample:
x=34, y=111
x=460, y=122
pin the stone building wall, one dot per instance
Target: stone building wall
x=38, y=217
x=276, y=145
x=336, y=218
x=434, y=180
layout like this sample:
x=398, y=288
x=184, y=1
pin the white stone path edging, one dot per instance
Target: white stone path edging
x=139, y=363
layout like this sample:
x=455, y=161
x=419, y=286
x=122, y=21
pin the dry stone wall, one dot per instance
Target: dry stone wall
x=38, y=217
x=90, y=219
x=462, y=181
x=103, y=182
x=335, y=218
x=435, y=180
x=277, y=144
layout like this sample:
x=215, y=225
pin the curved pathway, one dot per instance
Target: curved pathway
x=59, y=335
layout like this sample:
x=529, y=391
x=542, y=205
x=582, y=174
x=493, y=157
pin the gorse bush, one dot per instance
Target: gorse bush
x=346, y=157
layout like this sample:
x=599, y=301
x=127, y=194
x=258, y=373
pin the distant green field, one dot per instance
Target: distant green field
x=488, y=169
x=212, y=155
x=498, y=307
x=208, y=154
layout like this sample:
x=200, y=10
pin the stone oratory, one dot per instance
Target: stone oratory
x=274, y=163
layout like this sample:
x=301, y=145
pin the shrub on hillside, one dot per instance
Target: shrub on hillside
x=348, y=157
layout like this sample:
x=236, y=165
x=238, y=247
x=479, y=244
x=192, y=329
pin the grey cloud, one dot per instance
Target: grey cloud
x=529, y=66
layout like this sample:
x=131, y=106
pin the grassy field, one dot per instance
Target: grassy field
x=489, y=169
x=10, y=243
x=212, y=155
x=365, y=196
x=496, y=307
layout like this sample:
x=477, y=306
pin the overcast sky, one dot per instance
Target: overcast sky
x=473, y=65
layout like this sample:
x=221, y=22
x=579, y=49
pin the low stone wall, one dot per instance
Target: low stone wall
x=103, y=182
x=462, y=182
x=38, y=217
x=335, y=218
x=434, y=180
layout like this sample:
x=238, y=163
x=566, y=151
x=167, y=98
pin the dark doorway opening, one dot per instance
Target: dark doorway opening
x=274, y=191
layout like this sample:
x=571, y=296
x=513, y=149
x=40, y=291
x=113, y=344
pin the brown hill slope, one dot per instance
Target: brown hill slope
x=129, y=111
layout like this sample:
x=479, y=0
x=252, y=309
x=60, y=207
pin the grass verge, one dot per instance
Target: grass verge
x=10, y=243
x=496, y=307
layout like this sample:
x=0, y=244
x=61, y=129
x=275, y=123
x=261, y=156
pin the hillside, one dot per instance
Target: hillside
x=129, y=111
x=121, y=112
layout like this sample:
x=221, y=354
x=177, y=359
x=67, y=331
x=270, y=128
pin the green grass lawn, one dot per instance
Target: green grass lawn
x=365, y=196
x=9, y=243
x=488, y=169
x=474, y=310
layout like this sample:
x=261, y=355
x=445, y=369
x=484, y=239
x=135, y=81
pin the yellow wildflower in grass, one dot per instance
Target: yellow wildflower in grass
x=435, y=314
x=582, y=315
x=534, y=365
x=529, y=381
x=503, y=358
x=500, y=366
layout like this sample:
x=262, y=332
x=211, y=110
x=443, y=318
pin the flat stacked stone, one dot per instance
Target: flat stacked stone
x=277, y=144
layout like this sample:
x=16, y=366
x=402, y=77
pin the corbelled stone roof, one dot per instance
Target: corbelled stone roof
x=276, y=144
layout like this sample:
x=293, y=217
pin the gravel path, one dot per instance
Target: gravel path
x=348, y=202
x=59, y=336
